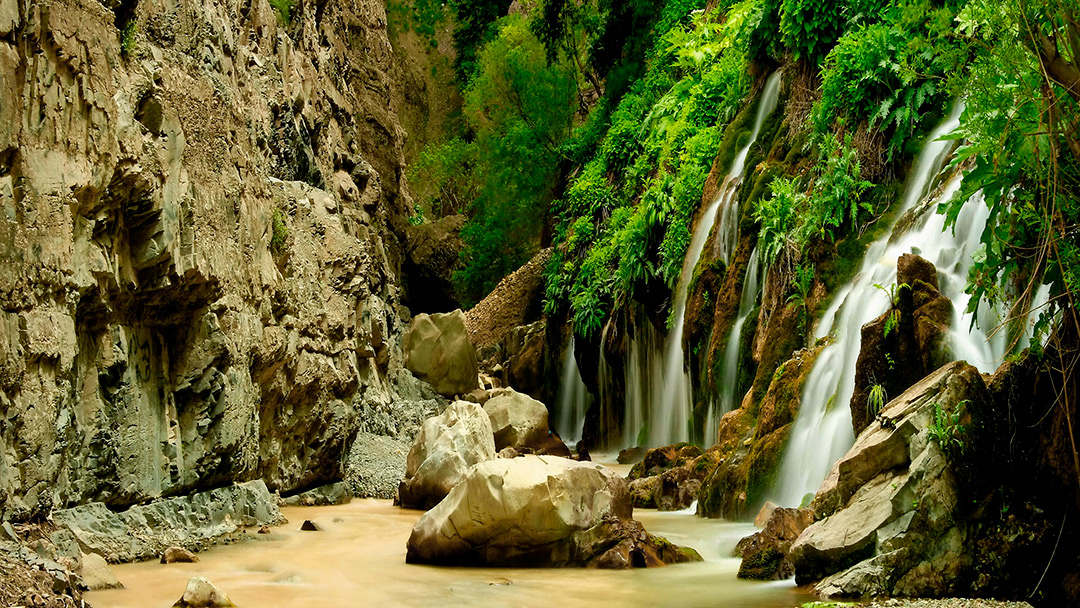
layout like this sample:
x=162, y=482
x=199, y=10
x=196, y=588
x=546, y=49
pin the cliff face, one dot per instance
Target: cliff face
x=198, y=245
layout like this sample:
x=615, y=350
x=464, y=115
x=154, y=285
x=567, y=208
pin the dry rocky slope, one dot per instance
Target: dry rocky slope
x=200, y=244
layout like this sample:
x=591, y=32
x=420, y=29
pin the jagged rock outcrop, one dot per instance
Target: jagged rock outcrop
x=438, y=351
x=146, y=531
x=539, y=511
x=765, y=554
x=905, y=343
x=890, y=516
x=199, y=245
x=444, y=450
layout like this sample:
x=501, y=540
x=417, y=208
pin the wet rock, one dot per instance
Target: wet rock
x=517, y=420
x=905, y=343
x=632, y=455
x=332, y=494
x=264, y=530
x=764, y=553
x=765, y=513
x=445, y=448
x=178, y=555
x=643, y=492
x=201, y=593
x=437, y=350
x=509, y=452
x=96, y=574
x=658, y=460
x=890, y=519
x=538, y=511
x=310, y=526
x=145, y=531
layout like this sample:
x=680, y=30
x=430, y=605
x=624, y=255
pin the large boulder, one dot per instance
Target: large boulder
x=517, y=420
x=201, y=593
x=432, y=253
x=890, y=513
x=444, y=449
x=538, y=511
x=438, y=351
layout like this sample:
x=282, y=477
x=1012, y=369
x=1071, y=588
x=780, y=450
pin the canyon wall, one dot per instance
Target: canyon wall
x=201, y=206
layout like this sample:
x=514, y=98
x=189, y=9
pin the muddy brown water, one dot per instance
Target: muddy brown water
x=358, y=559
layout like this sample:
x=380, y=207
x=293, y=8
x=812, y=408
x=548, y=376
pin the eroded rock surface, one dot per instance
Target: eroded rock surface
x=444, y=449
x=438, y=351
x=538, y=511
x=890, y=518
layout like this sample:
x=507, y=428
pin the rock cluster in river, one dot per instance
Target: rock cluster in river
x=539, y=511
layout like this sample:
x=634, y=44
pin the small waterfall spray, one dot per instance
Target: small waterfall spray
x=748, y=301
x=822, y=432
x=573, y=399
x=658, y=392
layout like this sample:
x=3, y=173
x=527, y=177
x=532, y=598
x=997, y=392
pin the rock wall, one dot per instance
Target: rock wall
x=200, y=210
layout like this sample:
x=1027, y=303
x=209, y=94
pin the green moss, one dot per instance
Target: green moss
x=736, y=135
x=279, y=231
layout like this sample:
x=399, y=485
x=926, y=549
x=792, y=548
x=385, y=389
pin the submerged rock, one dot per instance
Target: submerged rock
x=539, y=511
x=445, y=448
x=437, y=350
x=201, y=593
x=178, y=555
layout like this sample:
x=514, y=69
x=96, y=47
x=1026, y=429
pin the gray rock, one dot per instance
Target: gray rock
x=145, y=531
x=445, y=448
x=331, y=494
x=376, y=466
x=438, y=351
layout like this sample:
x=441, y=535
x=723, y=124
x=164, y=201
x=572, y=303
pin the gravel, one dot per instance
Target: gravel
x=376, y=465
x=946, y=603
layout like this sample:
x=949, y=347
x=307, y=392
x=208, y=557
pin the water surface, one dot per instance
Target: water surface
x=359, y=560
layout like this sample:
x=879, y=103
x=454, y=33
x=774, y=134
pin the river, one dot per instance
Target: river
x=358, y=559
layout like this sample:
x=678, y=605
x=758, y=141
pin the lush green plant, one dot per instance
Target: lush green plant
x=893, y=320
x=876, y=400
x=946, y=429
x=279, y=232
x=283, y=9
x=447, y=177
x=799, y=299
x=129, y=38
x=837, y=191
x=811, y=27
x=778, y=215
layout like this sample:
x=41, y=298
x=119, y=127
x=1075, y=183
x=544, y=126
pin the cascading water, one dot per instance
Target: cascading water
x=748, y=301
x=573, y=399
x=822, y=431
x=658, y=393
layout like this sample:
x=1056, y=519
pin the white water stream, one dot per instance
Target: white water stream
x=658, y=385
x=573, y=399
x=822, y=432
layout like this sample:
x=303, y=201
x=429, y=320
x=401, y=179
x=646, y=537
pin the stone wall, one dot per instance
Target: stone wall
x=199, y=245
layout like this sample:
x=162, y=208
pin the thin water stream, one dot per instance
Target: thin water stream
x=573, y=399
x=658, y=385
x=359, y=560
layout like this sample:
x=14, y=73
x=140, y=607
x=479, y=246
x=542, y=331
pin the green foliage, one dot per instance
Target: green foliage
x=129, y=38
x=1021, y=151
x=283, y=10
x=947, y=431
x=799, y=300
x=876, y=400
x=425, y=17
x=837, y=191
x=475, y=25
x=891, y=323
x=447, y=177
x=279, y=232
x=811, y=27
x=779, y=217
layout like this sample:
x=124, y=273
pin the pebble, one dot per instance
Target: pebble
x=945, y=603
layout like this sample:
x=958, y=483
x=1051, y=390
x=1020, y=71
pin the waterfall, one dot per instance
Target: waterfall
x=822, y=432
x=748, y=301
x=573, y=399
x=658, y=385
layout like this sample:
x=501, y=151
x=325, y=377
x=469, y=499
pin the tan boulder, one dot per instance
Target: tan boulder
x=444, y=449
x=201, y=593
x=538, y=511
x=517, y=420
x=438, y=351
x=178, y=555
x=96, y=574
